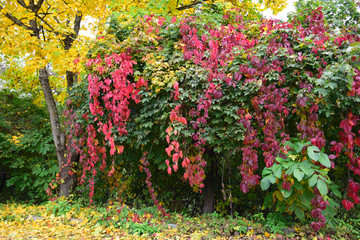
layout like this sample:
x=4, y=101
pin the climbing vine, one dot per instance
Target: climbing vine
x=237, y=88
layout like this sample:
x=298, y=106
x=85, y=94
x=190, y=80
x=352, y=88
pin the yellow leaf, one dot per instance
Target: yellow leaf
x=278, y=195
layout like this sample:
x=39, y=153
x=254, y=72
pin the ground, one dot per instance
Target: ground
x=63, y=220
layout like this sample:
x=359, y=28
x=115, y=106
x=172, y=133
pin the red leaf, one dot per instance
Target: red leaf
x=173, y=116
x=175, y=157
x=176, y=86
x=185, y=162
x=169, y=149
x=120, y=149
x=182, y=120
x=347, y=204
x=244, y=187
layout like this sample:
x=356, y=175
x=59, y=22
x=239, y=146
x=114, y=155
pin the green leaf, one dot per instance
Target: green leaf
x=306, y=168
x=298, y=174
x=298, y=186
x=265, y=183
x=334, y=189
x=298, y=146
x=292, y=167
x=286, y=193
x=288, y=143
x=267, y=201
x=280, y=160
x=272, y=178
x=277, y=170
x=299, y=213
x=313, y=153
x=324, y=160
x=322, y=187
x=313, y=180
x=306, y=198
x=266, y=171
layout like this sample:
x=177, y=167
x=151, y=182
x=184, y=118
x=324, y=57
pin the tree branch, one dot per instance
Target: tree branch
x=43, y=33
x=15, y=20
x=47, y=24
x=77, y=23
x=22, y=3
x=189, y=6
x=38, y=5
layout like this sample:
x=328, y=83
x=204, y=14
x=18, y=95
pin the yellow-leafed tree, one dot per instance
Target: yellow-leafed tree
x=45, y=33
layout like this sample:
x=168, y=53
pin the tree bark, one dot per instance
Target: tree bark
x=208, y=191
x=58, y=134
x=71, y=78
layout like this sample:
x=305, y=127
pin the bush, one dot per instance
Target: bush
x=27, y=153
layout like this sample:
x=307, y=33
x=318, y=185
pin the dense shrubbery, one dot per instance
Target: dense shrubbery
x=220, y=100
x=27, y=159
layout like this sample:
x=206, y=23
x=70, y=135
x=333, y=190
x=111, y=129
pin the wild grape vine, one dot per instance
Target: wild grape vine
x=277, y=66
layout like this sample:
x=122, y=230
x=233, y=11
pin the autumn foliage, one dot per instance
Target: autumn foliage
x=266, y=96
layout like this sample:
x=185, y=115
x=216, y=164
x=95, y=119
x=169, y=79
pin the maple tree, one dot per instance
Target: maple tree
x=44, y=33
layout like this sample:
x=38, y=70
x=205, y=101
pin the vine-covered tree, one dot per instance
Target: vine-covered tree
x=212, y=89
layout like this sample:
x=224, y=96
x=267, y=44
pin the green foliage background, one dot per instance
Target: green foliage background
x=27, y=153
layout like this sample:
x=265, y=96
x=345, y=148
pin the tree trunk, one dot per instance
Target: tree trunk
x=58, y=134
x=36, y=28
x=208, y=191
x=71, y=78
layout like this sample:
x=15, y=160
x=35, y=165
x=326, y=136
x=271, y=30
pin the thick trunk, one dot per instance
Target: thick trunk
x=208, y=191
x=58, y=134
x=69, y=180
